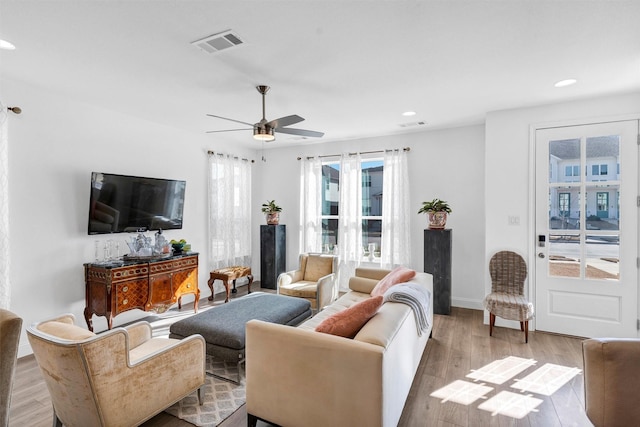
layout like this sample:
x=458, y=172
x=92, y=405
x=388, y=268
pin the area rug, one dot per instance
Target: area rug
x=221, y=398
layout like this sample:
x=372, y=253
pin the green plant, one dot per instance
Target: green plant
x=270, y=207
x=435, y=205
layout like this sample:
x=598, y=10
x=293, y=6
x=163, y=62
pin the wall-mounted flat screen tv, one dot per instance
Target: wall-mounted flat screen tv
x=122, y=203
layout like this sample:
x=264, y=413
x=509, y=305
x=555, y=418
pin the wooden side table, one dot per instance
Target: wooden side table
x=229, y=274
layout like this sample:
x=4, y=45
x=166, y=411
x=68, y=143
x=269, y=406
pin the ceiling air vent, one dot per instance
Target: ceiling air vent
x=412, y=124
x=219, y=42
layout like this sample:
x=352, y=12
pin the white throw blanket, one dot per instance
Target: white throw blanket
x=416, y=297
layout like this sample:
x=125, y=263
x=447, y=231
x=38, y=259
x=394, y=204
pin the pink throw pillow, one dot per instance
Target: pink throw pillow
x=397, y=275
x=348, y=322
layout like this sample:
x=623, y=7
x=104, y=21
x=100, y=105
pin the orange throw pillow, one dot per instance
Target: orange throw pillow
x=395, y=276
x=348, y=322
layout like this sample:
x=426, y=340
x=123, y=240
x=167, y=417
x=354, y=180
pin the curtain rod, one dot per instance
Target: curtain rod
x=361, y=152
x=212, y=153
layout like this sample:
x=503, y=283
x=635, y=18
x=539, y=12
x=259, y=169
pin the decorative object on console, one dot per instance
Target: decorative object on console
x=272, y=212
x=179, y=245
x=437, y=211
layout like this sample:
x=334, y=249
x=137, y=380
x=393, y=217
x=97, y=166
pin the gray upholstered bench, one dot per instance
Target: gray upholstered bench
x=223, y=327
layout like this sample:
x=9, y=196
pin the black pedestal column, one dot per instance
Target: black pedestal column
x=437, y=261
x=273, y=255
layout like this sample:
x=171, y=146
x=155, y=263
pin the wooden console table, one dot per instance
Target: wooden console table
x=153, y=285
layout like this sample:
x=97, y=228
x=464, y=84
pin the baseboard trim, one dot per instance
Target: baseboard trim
x=467, y=303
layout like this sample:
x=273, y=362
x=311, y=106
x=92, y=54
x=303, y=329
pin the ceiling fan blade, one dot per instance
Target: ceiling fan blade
x=301, y=132
x=226, y=130
x=233, y=120
x=285, y=121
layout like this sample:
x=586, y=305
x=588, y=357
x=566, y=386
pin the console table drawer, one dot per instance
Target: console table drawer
x=131, y=294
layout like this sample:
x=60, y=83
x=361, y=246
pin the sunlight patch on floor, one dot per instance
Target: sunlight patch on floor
x=544, y=380
x=547, y=379
x=511, y=404
x=501, y=371
x=462, y=392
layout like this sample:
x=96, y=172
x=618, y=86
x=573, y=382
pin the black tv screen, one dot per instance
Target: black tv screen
x=122, y=203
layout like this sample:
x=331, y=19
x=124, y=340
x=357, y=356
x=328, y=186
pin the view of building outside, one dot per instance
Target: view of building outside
x=596, y=173
x=372, y=172
x=601, y=174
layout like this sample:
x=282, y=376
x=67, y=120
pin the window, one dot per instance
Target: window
x=572, y=170
x=372, y=172
x=330, y=202
x=229, y=211
x=372, y=204
x=564, y=204
x=599, y=170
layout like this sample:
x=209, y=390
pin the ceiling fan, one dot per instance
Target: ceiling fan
x=264, y=130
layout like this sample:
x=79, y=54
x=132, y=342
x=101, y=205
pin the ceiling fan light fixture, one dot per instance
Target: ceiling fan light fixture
x=263, y=133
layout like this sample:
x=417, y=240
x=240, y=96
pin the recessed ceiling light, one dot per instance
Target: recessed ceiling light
x=6, y=45
x=409, y=113
x=567, y=82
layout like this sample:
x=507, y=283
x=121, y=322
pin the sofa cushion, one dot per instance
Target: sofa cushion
x=362, y=284
x=397, y=275
x=65, y=331
x=348, y=322
x=301, y=289
x=317, y=267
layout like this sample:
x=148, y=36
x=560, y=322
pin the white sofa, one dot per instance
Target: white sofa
x=296, y=376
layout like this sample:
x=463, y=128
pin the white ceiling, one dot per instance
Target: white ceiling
x=349, y=67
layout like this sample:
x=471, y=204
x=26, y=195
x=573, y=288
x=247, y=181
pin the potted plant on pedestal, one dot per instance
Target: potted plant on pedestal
x=272, y=212
x=437, y=211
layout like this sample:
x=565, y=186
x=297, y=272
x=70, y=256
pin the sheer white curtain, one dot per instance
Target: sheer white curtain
x=350, y=220
x=311, y=205
x=229, y=211
x=5, y=286
x=396, y=235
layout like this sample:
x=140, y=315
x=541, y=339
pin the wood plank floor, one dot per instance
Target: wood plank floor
x=460, y=345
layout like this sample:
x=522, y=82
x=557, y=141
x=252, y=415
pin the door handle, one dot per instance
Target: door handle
x=540, y=255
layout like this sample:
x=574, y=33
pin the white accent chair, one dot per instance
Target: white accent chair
x=315, y=280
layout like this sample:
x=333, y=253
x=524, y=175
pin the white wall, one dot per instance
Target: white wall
x=54, y=145
x=507, y=167
x=483, y=171
x=447, y=164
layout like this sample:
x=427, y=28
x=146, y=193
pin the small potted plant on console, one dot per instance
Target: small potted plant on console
x=437, y=211
x=272, y=212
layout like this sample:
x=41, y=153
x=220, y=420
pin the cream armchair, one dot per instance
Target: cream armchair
x=315, y=280
x=121, y=377
x=611, y=378
x=10, y=328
